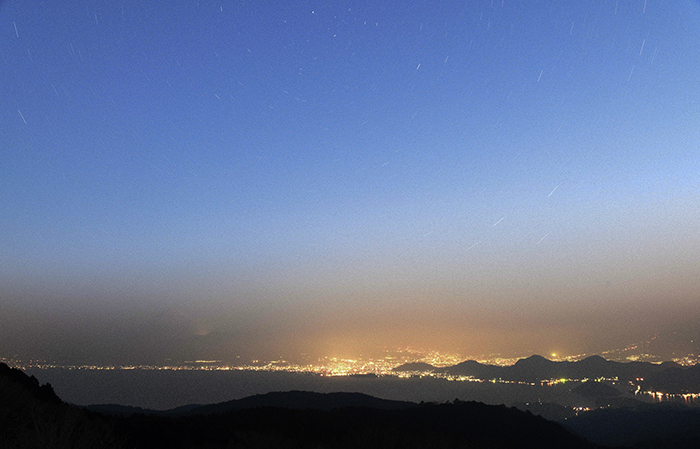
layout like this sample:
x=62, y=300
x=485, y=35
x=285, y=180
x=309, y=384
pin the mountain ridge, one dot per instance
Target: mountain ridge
x=668, y=377
x=292, y=399
x=47, y=423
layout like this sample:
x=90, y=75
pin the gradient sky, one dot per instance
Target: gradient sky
x=219, y=179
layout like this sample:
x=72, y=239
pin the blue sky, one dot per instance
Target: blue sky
x=483, y=176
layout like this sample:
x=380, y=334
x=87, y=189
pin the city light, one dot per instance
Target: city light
x=384, y=366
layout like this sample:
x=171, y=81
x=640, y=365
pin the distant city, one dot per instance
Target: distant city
x=380, y=365
x=383, y=365
x=611, y=379
x=554, y=387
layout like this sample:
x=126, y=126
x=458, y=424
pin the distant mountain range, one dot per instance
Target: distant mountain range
x=32, y=416
x=667, y=377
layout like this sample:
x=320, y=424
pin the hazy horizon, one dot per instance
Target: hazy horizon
x=219, y=180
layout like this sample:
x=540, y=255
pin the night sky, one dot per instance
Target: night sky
x=223, y=179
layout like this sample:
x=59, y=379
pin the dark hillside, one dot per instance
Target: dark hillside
x=12, y=379
x=452, y=425
x=645, y=426
x=32, y=416
x=301, y=400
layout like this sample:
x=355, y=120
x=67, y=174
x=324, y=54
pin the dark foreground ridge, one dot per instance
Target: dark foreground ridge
x=667, y=426
x=293, y=400
x=33, y=418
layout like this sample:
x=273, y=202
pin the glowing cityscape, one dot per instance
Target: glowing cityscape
x=387, y=364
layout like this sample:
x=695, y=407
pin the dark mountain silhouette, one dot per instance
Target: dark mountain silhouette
x=668, y=377
x=32, y=417
x=25, y=386
x=454, y=425
x=415, y=366
x=547, y=410
x=302, y=400
x=293, y=400
x=538, y=368
x=127, y=410
x=603, y=395
x=535, y=368
x=473, y=368
x=658, y=426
